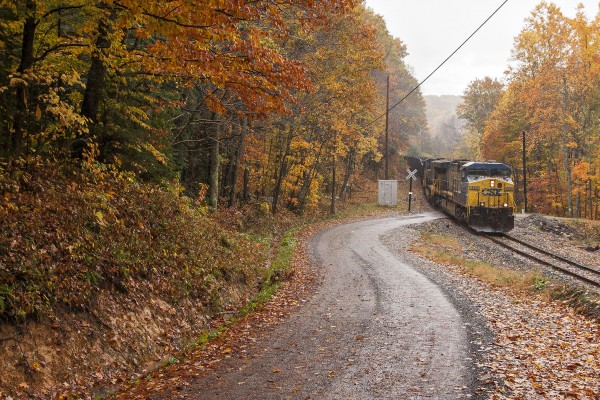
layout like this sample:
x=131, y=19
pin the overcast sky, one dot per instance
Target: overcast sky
x=433, y=29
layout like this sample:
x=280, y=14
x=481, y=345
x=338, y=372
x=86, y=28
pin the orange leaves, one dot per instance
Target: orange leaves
x=543, y=349
x=227, y=43
x=551, y=97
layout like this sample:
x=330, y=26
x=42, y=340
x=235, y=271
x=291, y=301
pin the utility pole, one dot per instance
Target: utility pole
x=409, y=193
x=567, y=161
x=333, y=177
x=524, y=175
x=333, y=208
x=387, y=112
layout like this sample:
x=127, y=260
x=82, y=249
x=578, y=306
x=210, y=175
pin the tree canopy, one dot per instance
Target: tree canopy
x=270, y=97
x=553, y=96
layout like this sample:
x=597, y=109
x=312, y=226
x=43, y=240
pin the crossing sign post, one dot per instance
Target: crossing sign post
x=412, y=176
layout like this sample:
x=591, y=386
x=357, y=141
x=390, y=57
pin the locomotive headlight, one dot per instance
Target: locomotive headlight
x=492, y=183
x=505, y=205
x=482, y=204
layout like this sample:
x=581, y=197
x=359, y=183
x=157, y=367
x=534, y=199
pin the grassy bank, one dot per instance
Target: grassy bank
x=102, y=277
x=447, y=250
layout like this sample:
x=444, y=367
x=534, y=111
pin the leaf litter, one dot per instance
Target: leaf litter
x=232, y=340
x=542, y=348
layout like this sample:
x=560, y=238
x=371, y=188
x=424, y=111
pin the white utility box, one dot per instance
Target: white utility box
x=388, y=193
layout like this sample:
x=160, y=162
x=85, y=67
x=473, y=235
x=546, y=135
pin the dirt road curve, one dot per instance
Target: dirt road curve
x=376, y=329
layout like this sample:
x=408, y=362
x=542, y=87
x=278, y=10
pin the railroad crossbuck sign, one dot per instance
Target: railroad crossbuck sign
x=411, y=174
x=410, y=177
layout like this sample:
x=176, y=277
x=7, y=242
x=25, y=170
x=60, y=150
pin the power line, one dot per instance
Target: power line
x=439, y=66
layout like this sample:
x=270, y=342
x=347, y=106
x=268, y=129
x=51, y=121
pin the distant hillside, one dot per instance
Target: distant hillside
x=440, y=110
x=444, y=126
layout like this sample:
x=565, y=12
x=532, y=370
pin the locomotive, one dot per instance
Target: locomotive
x=480, y=194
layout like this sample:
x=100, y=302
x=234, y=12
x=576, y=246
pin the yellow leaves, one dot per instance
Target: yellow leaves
x=138, y=116
x=99, y=215
x=100, y=218
x=8, y=4
x=547, y=337
x=16, y=81
x=591, y=359
x=581, y=170
x=160, y=157
x=550, y=94
x=72, y=78
x=301, y=145
x=35, y=365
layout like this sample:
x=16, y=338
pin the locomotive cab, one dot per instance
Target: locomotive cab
x=481, y=194
x=490, y=196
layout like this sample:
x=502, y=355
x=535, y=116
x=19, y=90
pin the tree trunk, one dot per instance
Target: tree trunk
x=96, y=81
x=26, y=63
x=230, y=148
x=283, y=169
x=95, y=84
x=264, y=178
x=213, y=180
x=236, y=165
x=305, y=190
x=349, y=170
x=591, y=201
x=566, y=162
x=246, y=191
x=280, y=175
x=333, y=183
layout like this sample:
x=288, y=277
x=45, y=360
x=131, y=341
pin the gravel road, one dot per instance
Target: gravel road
x=375, y=329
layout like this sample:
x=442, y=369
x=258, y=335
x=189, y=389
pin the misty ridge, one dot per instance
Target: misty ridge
x=445, y=127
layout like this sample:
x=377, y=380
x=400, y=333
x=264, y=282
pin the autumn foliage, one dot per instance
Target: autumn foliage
x=114, y=239
x=553, y=96
x=152, y=153
x=126, y=123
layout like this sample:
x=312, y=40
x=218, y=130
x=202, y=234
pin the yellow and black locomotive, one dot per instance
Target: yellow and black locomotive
x=481, y=194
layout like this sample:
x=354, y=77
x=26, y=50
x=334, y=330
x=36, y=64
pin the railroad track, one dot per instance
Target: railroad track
x=578, y=271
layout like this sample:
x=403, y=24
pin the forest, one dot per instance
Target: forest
x=551, y=97
x=223, y=103
x=234, y=100
x=154, y=156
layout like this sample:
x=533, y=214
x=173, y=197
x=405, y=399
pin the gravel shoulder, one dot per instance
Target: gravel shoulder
x=540, y=347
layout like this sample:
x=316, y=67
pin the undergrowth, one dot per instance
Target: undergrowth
x=582, y=301
x=278, y=272
x=66, y=235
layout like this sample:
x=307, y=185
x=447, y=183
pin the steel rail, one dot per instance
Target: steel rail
x=549, y=264
x=556, y=256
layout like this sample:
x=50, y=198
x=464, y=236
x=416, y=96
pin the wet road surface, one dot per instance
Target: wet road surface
x=375, y=329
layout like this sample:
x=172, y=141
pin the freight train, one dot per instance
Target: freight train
x=480, y=194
